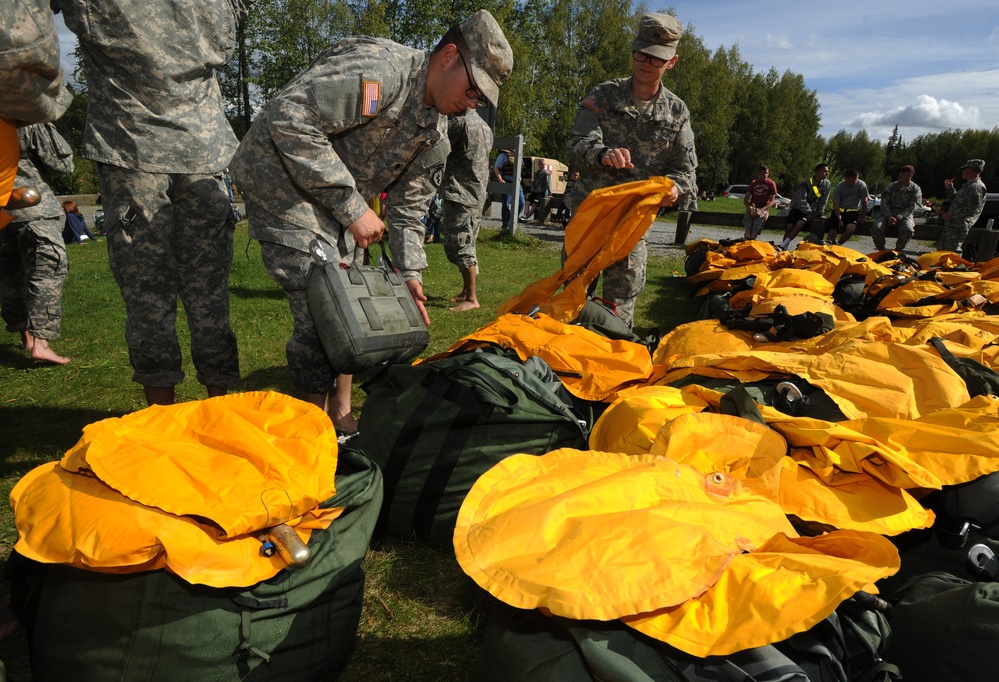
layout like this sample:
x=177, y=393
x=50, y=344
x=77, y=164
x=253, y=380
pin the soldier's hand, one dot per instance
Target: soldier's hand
x=671, y=198
x=617, y=158
x=367, y=229
x=416, y=291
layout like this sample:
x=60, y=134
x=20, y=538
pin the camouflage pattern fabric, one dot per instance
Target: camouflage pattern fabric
x=901, y=201
x=467, y=170
x=625, y=280
x=966, y=205
x=30, y=77
x=307, y=361
x=170, y=236
x=661, y=143
x=341, y=132
x=33, y=267
x=42, y=149
x=154, y=103
x=459, y=230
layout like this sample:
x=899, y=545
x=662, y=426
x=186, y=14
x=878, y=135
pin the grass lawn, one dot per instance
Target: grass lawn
x=422, y=617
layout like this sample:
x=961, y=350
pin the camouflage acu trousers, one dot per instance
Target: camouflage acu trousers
x=307, y=360
x=171, y=235
x=953, y=236
x=625, y=280
x=33, y=267
x=906, y=228
x=460, y=229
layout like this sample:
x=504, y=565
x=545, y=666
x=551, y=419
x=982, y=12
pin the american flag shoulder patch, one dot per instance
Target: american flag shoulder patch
x=370, y=99
x=592, y=104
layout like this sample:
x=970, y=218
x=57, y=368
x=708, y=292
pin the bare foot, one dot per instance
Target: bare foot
x=345, y=423
x=40, y=351
x=459, y=298
x=465, y=305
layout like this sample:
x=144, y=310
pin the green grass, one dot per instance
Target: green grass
x=422, y=617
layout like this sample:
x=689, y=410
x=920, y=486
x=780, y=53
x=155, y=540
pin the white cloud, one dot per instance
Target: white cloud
x=926, y=112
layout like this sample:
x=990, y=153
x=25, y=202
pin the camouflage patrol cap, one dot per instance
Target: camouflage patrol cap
x=658, y=35
x=490, y=56
x=977, y=165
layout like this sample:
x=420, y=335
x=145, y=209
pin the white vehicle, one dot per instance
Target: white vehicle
x=735, y=192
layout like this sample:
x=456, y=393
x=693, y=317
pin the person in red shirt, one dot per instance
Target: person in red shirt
x=761, y=196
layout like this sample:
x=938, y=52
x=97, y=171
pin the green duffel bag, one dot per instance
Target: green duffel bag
x=529, y=646
x=946, y=628
x=155, y=627
x=434, y=428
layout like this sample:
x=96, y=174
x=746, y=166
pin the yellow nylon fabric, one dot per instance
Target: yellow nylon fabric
x=629, y=424
x=604, y=229
x=185, y=487
x=603, y=535
x=590, y=365
x=784, y=587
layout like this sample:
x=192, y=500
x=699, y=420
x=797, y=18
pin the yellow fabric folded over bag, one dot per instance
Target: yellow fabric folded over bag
x=595, y=535
x=185, y=487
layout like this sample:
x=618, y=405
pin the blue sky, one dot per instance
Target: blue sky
x=926, y=66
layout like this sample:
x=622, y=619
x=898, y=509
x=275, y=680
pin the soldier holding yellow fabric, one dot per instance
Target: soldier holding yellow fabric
x=632, y=129
x=369, y=114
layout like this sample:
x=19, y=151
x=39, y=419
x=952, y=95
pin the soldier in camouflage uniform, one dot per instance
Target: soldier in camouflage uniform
x=33, y=263
x=367, y=115
x=966, y=205
x=464, y=192
x=898, y=203
x=30, y=80
x=157, y=130
x=631, y=129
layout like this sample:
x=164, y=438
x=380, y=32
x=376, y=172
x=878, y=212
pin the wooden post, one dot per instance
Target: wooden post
x=683, y=219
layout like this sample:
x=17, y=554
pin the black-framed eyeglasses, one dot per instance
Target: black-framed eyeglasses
x=473, y=92
x=656, y=62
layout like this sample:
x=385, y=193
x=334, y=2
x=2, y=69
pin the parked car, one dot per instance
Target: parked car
x=783, y=203
x=99, y=221
x=735, y=192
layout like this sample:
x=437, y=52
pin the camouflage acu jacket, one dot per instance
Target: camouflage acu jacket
x=352, y=125
x=966, y=204
x=154, y=103
x=899, y=200
x=660, y=140
x=42, y=149
x=30, y=77
x=467, y=171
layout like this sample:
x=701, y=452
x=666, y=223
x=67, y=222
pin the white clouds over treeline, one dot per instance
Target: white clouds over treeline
x=926, y=112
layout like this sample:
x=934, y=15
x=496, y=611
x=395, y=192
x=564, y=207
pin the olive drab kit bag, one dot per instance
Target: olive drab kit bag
x=364, y=313
x=298, y=625
x=433, y=428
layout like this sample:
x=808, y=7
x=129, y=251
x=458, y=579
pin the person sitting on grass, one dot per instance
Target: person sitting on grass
x=75, y=230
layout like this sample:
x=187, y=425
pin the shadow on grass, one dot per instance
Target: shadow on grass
x=45, y=431
x=669, y=302
x=247, y=293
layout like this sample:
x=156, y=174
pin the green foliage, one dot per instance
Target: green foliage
x=83, y=179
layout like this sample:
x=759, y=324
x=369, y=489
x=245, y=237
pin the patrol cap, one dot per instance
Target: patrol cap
x=489, y=53
x=906, y=169
x=658, y=35
x=975, y=164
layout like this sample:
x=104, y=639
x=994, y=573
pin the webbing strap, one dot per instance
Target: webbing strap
x=469, y=412
x=244, y=638
x=409, y=435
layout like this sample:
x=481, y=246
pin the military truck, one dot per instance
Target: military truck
x=560, y=175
